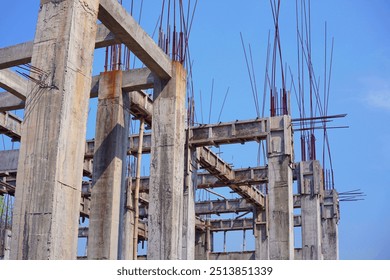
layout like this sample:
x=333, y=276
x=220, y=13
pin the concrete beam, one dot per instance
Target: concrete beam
x=10, y=102
x=242, y=177
x=229, y=256
x=10, y=125
x=127, y=31
x=222, y=206
x=229, y=133
x=240, y=184
x=21, y=53
x=250, y=130
x=9, y=161
x=224, y=172
x=16, y=55
x=141, y=107
x=211, y=162
x=6, y=188
x=142, y=231
x=231, y=224
x=242, y=224
x=132, y=80
x=215, y=226
x=104, y=37
x=13, y=83
x=137, y=79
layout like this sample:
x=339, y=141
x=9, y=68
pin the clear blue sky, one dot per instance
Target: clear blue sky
x=360, y=87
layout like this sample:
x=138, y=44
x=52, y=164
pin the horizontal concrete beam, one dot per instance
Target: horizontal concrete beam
x=231, y=206
x=242, y=224
x=6, y=188
x=9, y=161
x=231, y=224
x=230, y=256
x=229, y=133
x=142, y=231
x=246, y=176
x=10, y=125
x=114, y=16
x=16, y=55
x=9, y=102
x=13, y=83
x=133, y=82
x=21, y=53
x=242, y=176
x=249, y=130
x=222, y=206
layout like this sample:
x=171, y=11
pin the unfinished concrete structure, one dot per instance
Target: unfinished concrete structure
x=53, y=156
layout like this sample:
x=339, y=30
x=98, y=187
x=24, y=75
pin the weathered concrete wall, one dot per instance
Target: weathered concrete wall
x=47, y=204
x=166, y=170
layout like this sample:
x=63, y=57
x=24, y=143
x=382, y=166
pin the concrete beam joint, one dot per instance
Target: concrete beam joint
x=127, y=31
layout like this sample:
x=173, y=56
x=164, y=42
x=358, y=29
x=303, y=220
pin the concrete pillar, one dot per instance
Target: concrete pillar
x=201, y=245
x=5, y=245
x=48, y=192
x=310, y=187
x=329, y=225
x=280, y=193
x=127, y=229
x=109, y=167
x=261, y=235
x=188, y=252
x=165, y=220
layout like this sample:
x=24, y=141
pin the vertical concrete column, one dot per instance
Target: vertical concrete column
x=165, y=220
x=109, y=167
x=201, y=245
x=47, y=203
x=188, y=252
x=329, y=224
x=310, y=186
x=127, y=229
x=280, y=194
x=261, y=234
x=5, y=247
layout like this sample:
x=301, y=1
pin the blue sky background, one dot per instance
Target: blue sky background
x=360, y=87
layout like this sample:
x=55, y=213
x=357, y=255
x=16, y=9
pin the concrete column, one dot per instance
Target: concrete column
x=188, y=252
x=310, y=186
x=5, y=247
x=127, y=229
x=109, y=167
x=165, y=218
x=201, y=245
x=280, y=194
x=261, y=235
x=48, y=192
x=329, y=225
